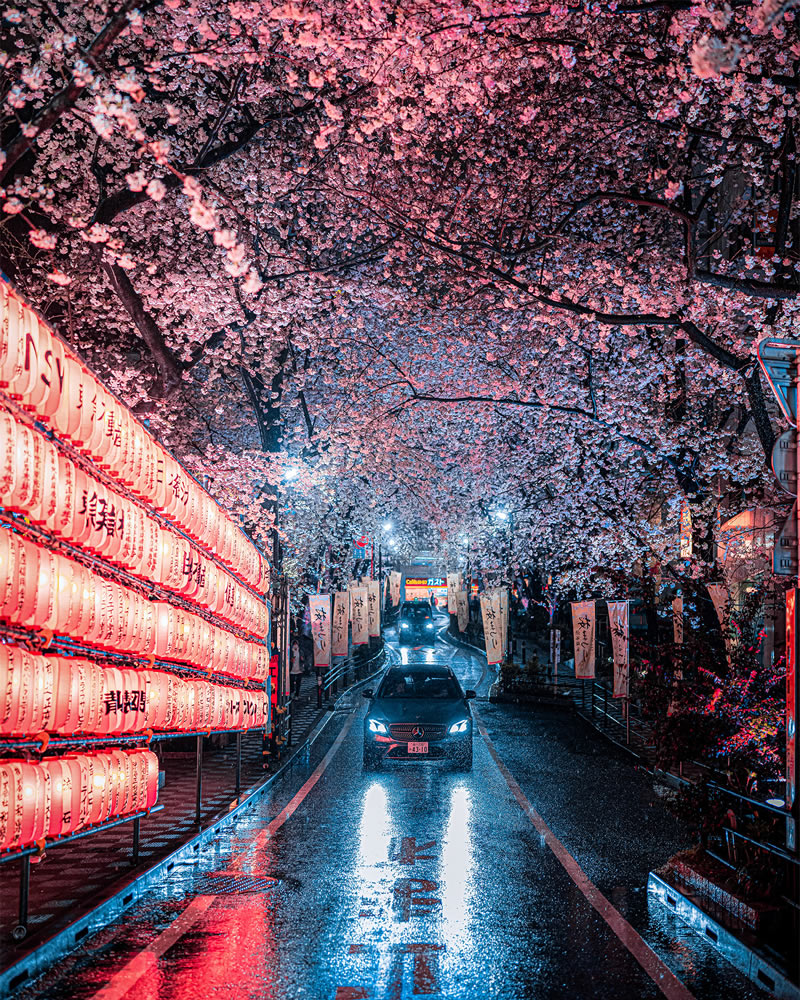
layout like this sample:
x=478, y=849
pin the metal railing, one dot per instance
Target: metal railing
x=351, y=669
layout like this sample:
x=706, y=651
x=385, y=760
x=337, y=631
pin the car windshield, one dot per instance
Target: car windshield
x=404, y=683
x=416, y=612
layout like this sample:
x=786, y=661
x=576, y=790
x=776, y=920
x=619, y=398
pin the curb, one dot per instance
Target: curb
x=64, y=941
x=747, y=960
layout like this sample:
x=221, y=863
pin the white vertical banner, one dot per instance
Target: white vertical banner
x=452, y=593
x=492, y=625
x=359, y=615
x=677, y=620
x=341, y=620
x=618, y=623
x=320, y=606
x=583, y=638
x=374, y=608
x=462, y=610
x=395, y=580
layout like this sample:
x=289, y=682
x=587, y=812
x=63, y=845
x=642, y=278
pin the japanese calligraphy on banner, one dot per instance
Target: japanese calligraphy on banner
x=618, y=622
x=677, y=620
x=320, y=606
x=395, y=580
x=453, y=587
x=341, y=620
x=359, y=615
x=462, y=610
x=492, y=626
x=374, y=608
x=686, y=530
x=583, y=638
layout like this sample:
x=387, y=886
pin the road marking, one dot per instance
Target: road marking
x=127, y=977
x=140, y=964
x=661, y=974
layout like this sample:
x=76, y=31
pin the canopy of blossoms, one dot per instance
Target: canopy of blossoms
x=357, y=259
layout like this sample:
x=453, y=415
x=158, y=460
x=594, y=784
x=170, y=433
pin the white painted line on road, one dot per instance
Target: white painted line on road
x=661, y=974
x=123, y=981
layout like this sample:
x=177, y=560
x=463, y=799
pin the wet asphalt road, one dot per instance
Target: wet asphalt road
x=419, y=881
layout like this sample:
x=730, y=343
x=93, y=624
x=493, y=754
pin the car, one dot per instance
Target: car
x=415, y=623
x=419, y=712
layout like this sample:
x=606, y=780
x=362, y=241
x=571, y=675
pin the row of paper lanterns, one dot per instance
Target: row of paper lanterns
x=42, y=589
x=46, y=379
x=58, y=796
x=52, y=491
x=70, y=696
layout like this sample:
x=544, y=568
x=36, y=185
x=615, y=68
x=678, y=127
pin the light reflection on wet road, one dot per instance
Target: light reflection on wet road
x=415, y=881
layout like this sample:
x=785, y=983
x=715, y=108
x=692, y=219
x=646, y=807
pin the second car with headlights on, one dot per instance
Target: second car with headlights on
x=419, y=712
x=415, y=623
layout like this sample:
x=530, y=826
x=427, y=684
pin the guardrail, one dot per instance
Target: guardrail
x=353, y=664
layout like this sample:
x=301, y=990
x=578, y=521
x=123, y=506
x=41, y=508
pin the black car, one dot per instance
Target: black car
x=415, y=623
x=419, y=712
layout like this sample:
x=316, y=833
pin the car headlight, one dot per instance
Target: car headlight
x=429, y=625
x=376, y=727
x=460, y=727
x=404, y=625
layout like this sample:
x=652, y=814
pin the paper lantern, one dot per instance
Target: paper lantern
x=65, y=776
x=78, y=696
x=159, y=689
x=24, y=803
x=147, y=782
x=19, y=567
x=52, y=373
x=66, y=420
x=25, y=369
x=26, y=684
x=97, y=776
x=44, y=502
x=10, y=335
x=19, y=499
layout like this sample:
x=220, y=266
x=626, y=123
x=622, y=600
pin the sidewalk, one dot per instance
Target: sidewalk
x=72, y=879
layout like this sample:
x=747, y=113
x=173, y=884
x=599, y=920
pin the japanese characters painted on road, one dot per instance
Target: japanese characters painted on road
x=583, y=638
x=374, y=608
x=358, y=615
x=492, y=626
x=453, y=587
x=462, y=603
x=395, y=581
x=341, y=620
x=618, y=623
x=677, y=620
x=686, y=530
x=320, y=606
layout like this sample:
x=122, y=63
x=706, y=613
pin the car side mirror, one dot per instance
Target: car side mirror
x=470, y=694
x=367, y=693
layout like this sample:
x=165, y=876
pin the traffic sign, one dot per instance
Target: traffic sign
x=784, y=461
x=784, y=554
x=778, y=358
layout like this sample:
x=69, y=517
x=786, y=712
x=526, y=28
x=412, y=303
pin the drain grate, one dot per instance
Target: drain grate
x=219, y=883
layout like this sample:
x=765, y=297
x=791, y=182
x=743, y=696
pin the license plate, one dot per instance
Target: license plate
x=417, y=747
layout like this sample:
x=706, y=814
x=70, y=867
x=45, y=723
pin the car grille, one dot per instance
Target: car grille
x=405, y=731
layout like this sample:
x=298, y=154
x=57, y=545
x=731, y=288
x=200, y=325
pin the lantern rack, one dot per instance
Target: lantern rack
x=64, y=646
x=102, y=476
x=40, y=746
x=26, y=852
x=24, y=855
x=148, y=589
